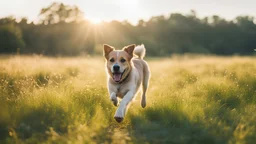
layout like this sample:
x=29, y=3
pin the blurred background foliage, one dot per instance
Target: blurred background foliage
x=63, y=31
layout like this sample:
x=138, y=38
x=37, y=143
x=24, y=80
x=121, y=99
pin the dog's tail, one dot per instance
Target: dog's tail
x=140, y=51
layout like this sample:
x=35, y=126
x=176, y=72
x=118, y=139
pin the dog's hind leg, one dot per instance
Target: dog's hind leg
x=145, y=84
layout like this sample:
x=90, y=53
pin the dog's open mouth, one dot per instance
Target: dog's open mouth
x=117, y=76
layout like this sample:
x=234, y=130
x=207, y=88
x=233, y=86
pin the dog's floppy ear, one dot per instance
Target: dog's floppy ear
x=129, y=49
x=107, y=50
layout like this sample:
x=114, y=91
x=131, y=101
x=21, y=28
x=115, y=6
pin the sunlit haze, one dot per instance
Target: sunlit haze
x=132, y=10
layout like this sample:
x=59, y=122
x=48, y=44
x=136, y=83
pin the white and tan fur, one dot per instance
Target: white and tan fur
x=126, y=75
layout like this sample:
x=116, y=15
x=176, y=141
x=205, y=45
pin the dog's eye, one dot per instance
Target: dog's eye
x=122, y=60
x=111, y=60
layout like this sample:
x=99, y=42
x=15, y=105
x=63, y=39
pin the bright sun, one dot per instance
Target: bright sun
x=95, y=21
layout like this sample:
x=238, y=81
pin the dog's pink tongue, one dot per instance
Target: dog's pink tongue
x=117, y=77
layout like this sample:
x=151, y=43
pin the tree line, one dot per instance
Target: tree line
x=62, y=30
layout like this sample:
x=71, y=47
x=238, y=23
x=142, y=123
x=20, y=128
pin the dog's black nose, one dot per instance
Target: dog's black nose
x=116, y=67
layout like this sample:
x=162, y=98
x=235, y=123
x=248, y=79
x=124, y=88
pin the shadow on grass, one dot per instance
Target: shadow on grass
x=164, y=125
x=4, y=120
x=38, y=120
x=25, y=123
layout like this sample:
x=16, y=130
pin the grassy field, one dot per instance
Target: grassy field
x=190, y=100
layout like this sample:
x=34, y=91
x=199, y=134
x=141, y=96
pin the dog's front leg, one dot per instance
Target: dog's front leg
x=120, y=113
x=113, y=98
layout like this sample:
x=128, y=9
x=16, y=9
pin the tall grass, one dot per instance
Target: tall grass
x=190, y=100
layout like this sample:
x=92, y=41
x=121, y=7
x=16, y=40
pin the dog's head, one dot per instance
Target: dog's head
x=118, y=62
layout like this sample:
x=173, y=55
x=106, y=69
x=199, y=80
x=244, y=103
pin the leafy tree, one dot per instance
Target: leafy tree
x=10, y=39
x=59, y=12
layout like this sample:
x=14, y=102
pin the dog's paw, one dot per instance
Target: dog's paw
x=119, y=115
x=114, y=100
x=143, y=103
x=119, y=119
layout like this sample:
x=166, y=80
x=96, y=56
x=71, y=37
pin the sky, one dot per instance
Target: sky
x=132, y=10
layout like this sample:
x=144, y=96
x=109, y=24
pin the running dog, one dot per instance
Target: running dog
x=126, y=75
